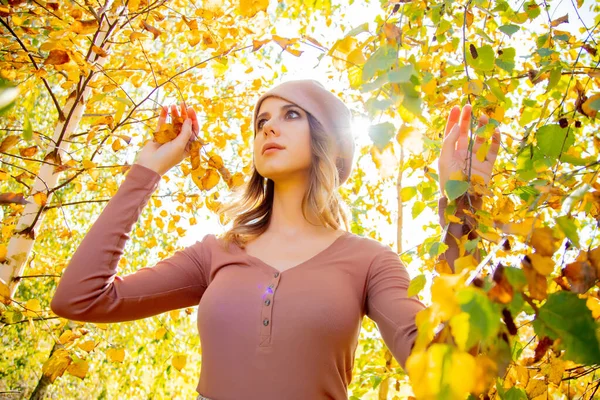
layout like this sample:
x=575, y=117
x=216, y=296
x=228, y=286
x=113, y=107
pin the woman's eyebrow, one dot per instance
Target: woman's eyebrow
x=284, y=107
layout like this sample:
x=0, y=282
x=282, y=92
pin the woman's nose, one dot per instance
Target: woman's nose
x=270, y=127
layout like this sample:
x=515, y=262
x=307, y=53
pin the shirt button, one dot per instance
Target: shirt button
x=267, y=302
x=276, y=274
x=266, y=322
x=271, y=286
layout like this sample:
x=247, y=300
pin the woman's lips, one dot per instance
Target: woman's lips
x=271, y=150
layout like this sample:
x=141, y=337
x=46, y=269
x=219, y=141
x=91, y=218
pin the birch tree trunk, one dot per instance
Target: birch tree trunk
x=22, y=241
x=384, y=386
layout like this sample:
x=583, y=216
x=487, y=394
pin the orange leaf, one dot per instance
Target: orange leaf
x=8, y=143
x=12, y=198
x=195, y=147
x=79, y=369
x=257, y=44
x=57, y=57
x=56, y=365
x=156, y=32
x=100, y=51
x=28, y=151
x=561, y=20
x=581, y=276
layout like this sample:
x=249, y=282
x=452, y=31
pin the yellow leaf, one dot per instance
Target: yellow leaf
x=219, y=69
x=459, y=324
x=543, y=265
x=466, y=262
x=249, y=8
x=33, y=308
x=443, y=295
x=482, y=152
x=4, y=293
x=210, y=179
x=536, y=387
x=79, y=369
x=486, y=371
x=461, y=374
x=593, y=304
x=8, y=143
x=357, y=57
x=179, y=361
x=116, y=145
x=56, y=365
x=557, y=369
x=137, y=35
x=544, y=242
x=40, y=198
x=115, y=355
x=88, y=345
x=3, y=252
x=194, y=37
x=474, y=86
x=160, y=333
x=458, y=176
x=67, y=336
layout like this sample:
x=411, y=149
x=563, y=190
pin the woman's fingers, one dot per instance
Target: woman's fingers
x=448, y=146
x=452, y=119
x=162, y=117
x=464, y=126
x=495, y=146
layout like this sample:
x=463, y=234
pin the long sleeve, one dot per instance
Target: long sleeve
x=389, y=306
x=90, y=289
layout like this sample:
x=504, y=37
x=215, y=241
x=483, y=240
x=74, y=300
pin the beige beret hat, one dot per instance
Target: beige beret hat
x=328, y=109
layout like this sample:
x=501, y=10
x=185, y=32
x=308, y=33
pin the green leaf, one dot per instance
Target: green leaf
x=566, y=317
x=555, y=75
x=455, y=189
x=27, y=129
x=485, y=58
x=408, y=193
x=437, y=248
x=550, y=140
x=418, y=208
x=416, y=285
x=401, y=74
x=515, y=277
x=595, y=105
x=381, y=134
x=359, y=29
x=383, y=58
x=509, y=29
x=514, y=393
x=569, y=228
x=506, y=60
x=483, y=316
x=494, y=86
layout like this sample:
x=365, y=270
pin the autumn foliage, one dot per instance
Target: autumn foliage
x=81, y=85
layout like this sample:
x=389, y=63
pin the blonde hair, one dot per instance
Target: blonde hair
x=251, y=211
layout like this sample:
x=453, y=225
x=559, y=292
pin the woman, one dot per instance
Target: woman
x=281, y=296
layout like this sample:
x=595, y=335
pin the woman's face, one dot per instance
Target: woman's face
x=283, y=123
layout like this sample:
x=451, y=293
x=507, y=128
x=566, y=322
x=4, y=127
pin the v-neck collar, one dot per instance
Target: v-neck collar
x=259, y=262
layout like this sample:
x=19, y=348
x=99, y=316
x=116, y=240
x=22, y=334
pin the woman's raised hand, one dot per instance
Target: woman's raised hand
x=162, y=157
x=455, y=148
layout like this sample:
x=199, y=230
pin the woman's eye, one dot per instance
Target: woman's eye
x=261, y=123
x=294, y=114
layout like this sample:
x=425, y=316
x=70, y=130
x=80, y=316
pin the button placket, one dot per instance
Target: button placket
x=267, y=310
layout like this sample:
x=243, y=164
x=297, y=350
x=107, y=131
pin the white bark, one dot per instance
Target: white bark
x=20, y=245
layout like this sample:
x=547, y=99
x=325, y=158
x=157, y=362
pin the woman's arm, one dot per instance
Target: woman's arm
x=90, y=289
x=389, y=306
